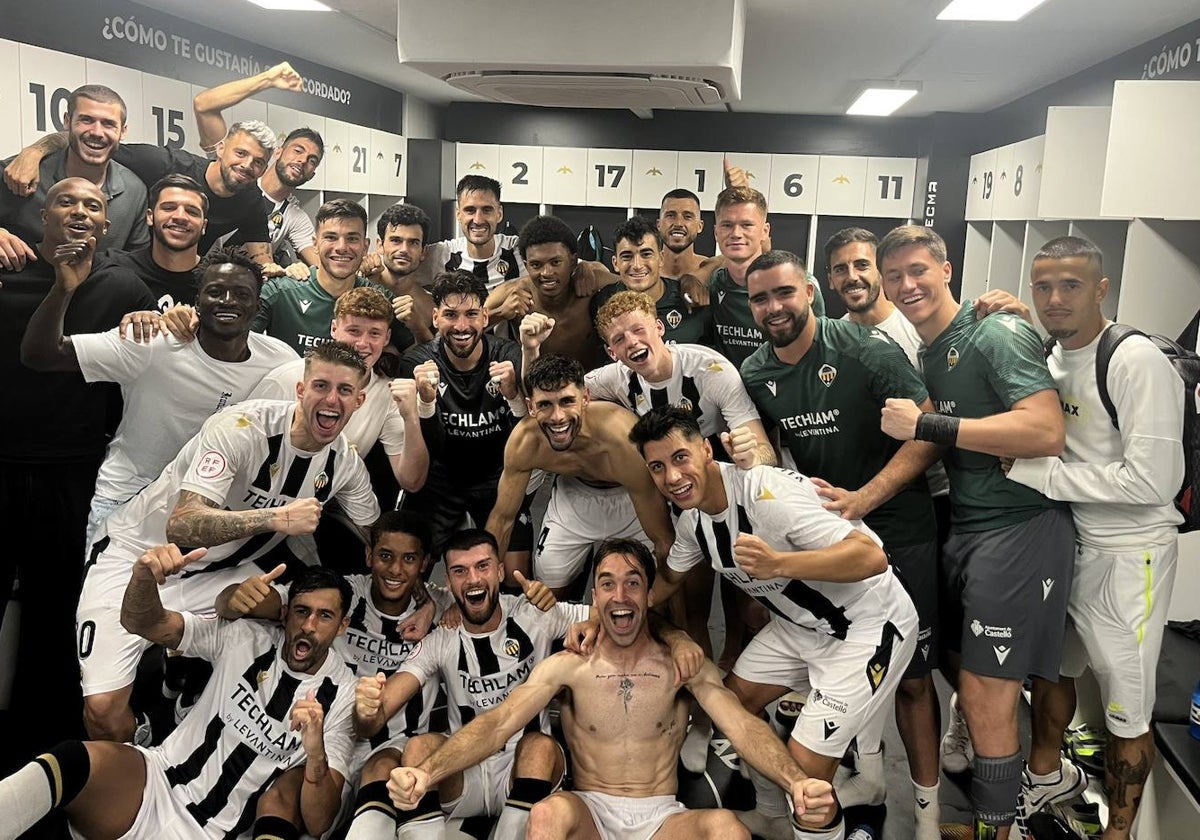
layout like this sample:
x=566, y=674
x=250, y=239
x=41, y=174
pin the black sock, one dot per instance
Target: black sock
x=373, y=796
x=429, y=805
x=275, y=828
x=67, y=768
x=526, y=792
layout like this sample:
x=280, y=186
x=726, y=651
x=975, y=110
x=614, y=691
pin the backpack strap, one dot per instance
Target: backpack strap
x=1109, y=339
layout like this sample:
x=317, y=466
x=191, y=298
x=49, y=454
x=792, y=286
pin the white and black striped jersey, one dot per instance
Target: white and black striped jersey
x=782, y=508
x=702, y=382
x=242, y=458
x=238, y=738
x=505, y=263
x=479, y=670
x=372, y=643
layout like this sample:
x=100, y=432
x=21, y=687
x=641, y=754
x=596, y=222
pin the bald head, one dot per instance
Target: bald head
x=75, y=209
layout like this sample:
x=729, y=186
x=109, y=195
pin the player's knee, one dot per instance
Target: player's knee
x=108, y=717
x=548, y=819
x=379, y=766
x=914, y=690
x=537, y=750
x=723, y=825
x=420, y=748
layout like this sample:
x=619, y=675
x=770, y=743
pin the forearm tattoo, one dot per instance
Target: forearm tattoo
x=198, y=522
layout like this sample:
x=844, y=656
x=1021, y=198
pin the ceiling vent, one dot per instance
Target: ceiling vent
x=615, y=54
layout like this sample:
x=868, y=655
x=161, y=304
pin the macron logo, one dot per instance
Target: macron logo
x=771, y=386
x=830, y=728
x=1047, y=585
x=1002, y=652
x=304, y=304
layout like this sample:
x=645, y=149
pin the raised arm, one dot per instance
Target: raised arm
x=511, y=491
x=411, y=465
x=485, y=734
x=142, y=611
x=44, y=347
x=377, y=698
x=1032, y=428
x=209, y=104
x=855, y=557
x=198, y=520
x=22, y=173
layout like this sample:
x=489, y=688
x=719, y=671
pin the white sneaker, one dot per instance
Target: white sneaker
x=957, y=752
x=1072, y=782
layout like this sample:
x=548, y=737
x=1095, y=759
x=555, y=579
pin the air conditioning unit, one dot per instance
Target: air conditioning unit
x=578, y=54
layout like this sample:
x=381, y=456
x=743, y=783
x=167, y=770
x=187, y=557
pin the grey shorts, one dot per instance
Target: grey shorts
x=917, y=568
x=1012, y=584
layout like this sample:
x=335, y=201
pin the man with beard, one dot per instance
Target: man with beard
x=479, y=662
x=388, y=417
x=403, y=229
x=637, y=257
x=488, y=255
x=277, y=712
x=96, y=122
x=624, y=712
x=842, y=627
x=469, y=403
x=679, y=223
x=299, y=313
x=52, y=449
x=176, y=216
x=601, y=488
x=390, y=611
x=823, y=384
x=229, y=181
x=220, y=367
x=256, y=473
x=551, y=254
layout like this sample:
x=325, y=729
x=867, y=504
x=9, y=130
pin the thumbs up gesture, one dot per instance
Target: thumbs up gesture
x=162, y=561
x=536, y=592
x=254, y=590
x=735, y=176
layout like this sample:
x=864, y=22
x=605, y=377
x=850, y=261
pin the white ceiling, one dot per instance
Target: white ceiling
x=801, y=56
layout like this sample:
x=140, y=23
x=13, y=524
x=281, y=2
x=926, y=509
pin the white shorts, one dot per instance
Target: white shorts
x=161, y=814
x=578, y=517
x=627, y=817
x=850, y=684
x=1118, y=608
x=486, y=787
x=108, y=653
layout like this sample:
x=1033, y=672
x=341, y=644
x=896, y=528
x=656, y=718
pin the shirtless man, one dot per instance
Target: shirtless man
x=624, y=718
x=602, y=488
x=552, y=288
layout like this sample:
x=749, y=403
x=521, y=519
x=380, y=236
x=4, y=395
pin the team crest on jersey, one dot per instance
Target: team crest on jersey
x=952, y=358
x=320, y=482
x=502, y=267
x=827, y=374
x=640, y=400
x=512, y=647
x=771, y=386
x=686, y=404
x=212, y=464
x=674, y=319
x=262, y=676
x=493, y=388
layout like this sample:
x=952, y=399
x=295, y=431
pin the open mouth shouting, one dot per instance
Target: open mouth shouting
x=561, y=435
x=622, y=619
x=301, y=653
x=639, y=357
x=684, y=494
x=327, y=422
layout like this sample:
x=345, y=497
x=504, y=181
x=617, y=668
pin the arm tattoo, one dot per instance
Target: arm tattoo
x=197, y=521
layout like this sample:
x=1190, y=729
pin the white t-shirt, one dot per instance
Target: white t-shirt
x=702, y=381
x=377, y=419
x=238, y=738
x=242, y=459
x=783, y=508
x=169, y=389
x=1120, y=483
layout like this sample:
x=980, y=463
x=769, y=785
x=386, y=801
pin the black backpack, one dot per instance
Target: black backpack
x=1187, y=365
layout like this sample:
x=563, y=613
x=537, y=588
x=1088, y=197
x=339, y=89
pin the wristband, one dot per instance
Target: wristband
x=517, y=406
x=425, y=410
x=941, y=429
